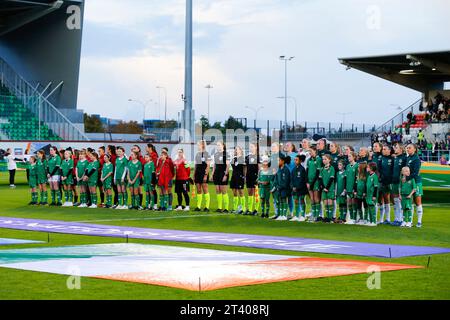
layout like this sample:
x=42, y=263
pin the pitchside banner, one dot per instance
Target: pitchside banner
x=243, y=240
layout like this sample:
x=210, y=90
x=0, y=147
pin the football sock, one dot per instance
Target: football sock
x=220, y=201
x=251, y=201
x=199, y=200
x=94, y=198
x=243, y=207
x=207, y=200
x=387, y=212
x=120, y=199
x=419, y=214
x=109, y=199
x=235, y=203
x=170, y=199
x=226, y=201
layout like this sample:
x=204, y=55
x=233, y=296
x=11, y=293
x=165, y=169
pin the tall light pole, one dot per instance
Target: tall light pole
x=343, y=114
x=285, y=59
x=296, y=107
x=209, y=87
x=255, y=110
x=144, y=107
x=188, y=113
x=165, y=102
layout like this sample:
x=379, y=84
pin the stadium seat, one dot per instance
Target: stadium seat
x=19, y=122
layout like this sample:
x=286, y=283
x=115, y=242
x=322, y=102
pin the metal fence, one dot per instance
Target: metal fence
x=400, y=118
x=434, y=155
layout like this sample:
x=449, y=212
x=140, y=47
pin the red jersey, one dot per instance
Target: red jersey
x=101, y=160
x=75, y=161
x=113, y=159
x=154, y=157
x=182, y=172
x=164, y=173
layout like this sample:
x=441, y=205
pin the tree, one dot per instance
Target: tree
x=132, y=127
x=234, y=124
x=205, y=123
x=92, y=124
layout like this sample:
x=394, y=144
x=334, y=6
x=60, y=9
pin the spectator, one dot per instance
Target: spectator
x=12, y=167
x=443, y=160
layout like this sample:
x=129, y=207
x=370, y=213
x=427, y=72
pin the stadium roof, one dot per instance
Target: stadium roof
x=17, y=13
x=418, y=71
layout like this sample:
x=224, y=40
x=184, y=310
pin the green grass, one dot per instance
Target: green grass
x=431, y=283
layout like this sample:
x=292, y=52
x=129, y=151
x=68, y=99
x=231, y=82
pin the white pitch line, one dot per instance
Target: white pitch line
x=154, y=218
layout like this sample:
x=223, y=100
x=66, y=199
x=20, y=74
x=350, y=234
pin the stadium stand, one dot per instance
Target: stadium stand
x=18, y=122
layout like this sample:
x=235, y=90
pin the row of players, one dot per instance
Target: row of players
x=358, y=184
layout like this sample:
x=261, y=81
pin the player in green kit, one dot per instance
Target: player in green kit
x=80, y=171
x=107, y=179
x=134, y=179
x=91, y=177
x=414, y=164
x=33, y=180
x=265, y=179
x=120, y=174
x=149, y=170
x=399, y=163
x=41, y=170
x=372, y=186
x=341, y=193
x=351, y=172
x=312, y=171
x=359, y=196
x=54, y=176
x=407, y=189
x=67, y=178
x=328, y=186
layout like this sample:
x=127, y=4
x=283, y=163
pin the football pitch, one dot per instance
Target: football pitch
x=431, y=282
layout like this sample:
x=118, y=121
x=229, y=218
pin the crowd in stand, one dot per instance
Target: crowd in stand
x=437, y=109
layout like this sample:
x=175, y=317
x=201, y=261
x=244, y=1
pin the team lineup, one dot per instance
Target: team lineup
x=342, y=186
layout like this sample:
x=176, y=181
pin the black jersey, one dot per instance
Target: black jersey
x=201, y=159
x=251, y=162
x=238, y=164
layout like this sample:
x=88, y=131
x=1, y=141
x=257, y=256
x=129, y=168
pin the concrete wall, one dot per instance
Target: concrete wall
x=44, y=51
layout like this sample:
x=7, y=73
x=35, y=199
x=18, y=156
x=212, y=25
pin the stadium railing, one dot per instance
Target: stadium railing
x=434, y=156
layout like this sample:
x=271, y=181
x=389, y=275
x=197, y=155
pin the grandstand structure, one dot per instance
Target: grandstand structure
x=426, y=73
x=40, y=48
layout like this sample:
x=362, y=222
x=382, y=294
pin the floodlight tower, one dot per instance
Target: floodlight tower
x=188, y=115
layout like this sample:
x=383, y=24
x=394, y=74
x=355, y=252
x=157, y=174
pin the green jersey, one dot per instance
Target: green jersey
x=92, y=169
x=149, y=169
x=399, y=163
x=414, y=164
x=283, y=178
x=107, y=169
x=134, y=168
x=41, y=169
x=32, y=175
x=313, y=167
x=81, y=168
x=54, y=165
x=372, y=185
x=265, y=178
x=360, y=188
x=340, y=182
x=327, y=176
x=67, y=167
x=350, y=173
x=386, y=170
x=407, y=187
x=121, y=169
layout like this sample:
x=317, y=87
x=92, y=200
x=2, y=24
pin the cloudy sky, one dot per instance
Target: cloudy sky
x=131, y=47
